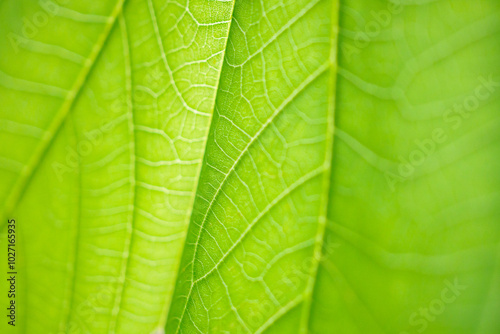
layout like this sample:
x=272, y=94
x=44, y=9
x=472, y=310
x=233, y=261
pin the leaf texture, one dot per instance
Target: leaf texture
x=203, y=166
x=114, y=143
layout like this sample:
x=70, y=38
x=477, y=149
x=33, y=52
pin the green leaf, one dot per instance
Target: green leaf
x=105, y=154
x=322, y=166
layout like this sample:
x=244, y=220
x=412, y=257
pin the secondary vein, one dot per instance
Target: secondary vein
x=118, y=303
x=41, y=150
x=320, y=234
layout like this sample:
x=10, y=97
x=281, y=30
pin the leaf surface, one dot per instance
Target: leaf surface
x=107, y=109
x=209, y=166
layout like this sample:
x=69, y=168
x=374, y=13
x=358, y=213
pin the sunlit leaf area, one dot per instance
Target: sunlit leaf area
x=250, y=166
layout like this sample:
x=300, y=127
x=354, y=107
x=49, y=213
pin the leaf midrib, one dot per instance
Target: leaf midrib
x=331, y=65
x=200, y=168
